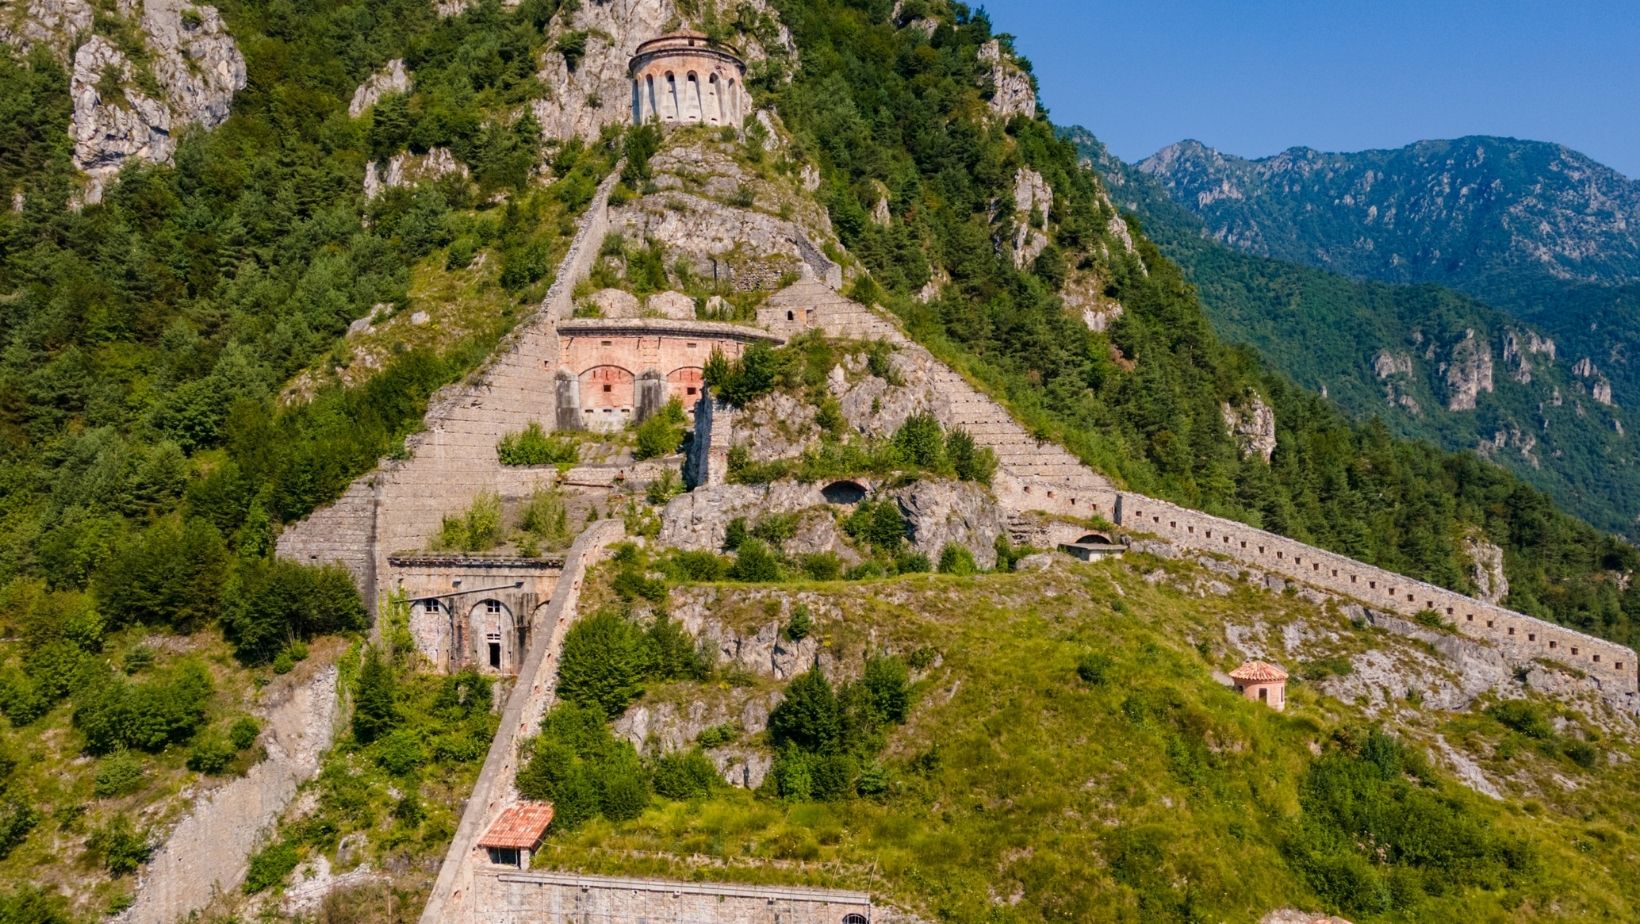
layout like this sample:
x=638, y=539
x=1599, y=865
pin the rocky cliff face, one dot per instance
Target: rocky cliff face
x=1253, y=426
x=134, y=91
x=1468, y=372
x=1013, y=91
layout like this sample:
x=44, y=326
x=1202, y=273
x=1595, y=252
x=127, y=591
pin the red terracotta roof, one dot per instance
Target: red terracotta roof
x=521, y=826
x=1258, y=672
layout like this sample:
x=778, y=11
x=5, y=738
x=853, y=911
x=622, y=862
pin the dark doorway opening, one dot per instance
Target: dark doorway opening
x=495, y=655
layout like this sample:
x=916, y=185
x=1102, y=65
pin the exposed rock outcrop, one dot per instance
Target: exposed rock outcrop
x=124, y=108
x=941, y=513
x=1486, y=569
x=1012, y=91
x=392, y=78
x=407, y=169
x=1252, y=424
x=1468, y=372
x=1033, y=203
x=1518, y=351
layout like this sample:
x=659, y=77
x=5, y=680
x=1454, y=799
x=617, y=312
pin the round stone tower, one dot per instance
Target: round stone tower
x=686, y=78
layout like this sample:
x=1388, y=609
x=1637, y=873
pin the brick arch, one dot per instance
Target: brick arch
x=607, y=386
x=684, y=383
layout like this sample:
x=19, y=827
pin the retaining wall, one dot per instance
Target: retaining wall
x=1521, y=637
x=514, y=897
x=452, y=899
x=400, y=505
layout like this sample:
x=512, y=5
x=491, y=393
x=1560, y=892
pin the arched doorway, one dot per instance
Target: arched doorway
x=491, y=623
x=844, y=492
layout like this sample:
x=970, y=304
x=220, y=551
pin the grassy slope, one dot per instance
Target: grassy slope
x=1159, y=795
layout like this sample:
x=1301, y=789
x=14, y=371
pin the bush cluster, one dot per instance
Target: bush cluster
x=534, y=446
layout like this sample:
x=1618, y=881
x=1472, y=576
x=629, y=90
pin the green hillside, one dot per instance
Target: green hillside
x=1067, y=756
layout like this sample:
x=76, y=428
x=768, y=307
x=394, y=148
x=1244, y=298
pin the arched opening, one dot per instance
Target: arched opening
x=491, y=622
x=692, y=102
x=671, y=113
x=854, y=917
x=844, y=492
x=714, y=100
x=685, y=384
x=637, y=101
x=1095, y=539
x=734, y=102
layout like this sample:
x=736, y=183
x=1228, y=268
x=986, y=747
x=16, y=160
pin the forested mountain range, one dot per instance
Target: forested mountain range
x=1432, y=362
x=1540, y=232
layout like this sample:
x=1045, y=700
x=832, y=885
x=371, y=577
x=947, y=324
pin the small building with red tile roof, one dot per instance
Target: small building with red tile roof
x=517, y=833
x=1262, y=681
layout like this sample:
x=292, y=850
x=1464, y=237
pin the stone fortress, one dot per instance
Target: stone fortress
x=563, y=373
x=684, y=78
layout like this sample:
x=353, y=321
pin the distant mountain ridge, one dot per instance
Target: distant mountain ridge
x=1529, y=392
x=1481, y=214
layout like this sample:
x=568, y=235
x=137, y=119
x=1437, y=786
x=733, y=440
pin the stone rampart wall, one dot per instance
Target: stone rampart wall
x=1520, y=637
x=452, y=899
x=514, y=897
x=400, y=505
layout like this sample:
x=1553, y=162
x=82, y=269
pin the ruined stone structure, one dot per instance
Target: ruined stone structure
x=473, y=610
x=685, y=78
x=614, y=372
x=514, y=897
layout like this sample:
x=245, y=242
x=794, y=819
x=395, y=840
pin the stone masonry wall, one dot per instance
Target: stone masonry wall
x=401, y=504
x=514, y=897
x=452, y=900
x=1520, y=637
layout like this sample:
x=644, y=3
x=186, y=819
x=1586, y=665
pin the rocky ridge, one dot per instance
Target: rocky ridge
x=131, y=102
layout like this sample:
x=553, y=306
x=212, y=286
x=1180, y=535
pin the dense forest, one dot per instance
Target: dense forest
x=876, y=102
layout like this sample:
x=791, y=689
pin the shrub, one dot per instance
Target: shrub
x=476, y=530
x=210, y=755
x=775, y=528
x=545, y=518
x=697, y=566
x=878, y=524
x=534, y=446
x=755, y=563
x=821, y=566
x=684, y=775
x=734, y=534
x=116, y=714
x=718, y=735
x=119, y=846
x=664, y=488
x=800, y=625
x=809, y=716
x=118, y=774
x=887, y=683
x=1523, y=716
x=269, y=866
x=604, y=662
x=791, y=775
x=1094, y=669
x=657, y=436
x=833, y=776
x=400, y=752
x=757, y=372
x=375, y=705
x=912, y=563
x=17, y=819
x=243, y=732
x=971, y=461
x=920, y=442
x=956, y=559
x=271, y=603
x=673, y=654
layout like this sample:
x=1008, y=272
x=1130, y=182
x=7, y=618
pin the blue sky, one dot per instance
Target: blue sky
x=1254, y=77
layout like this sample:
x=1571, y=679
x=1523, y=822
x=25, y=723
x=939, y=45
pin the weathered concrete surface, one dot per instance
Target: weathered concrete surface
x=208, y=852
x=453, y=898
x=513, y=897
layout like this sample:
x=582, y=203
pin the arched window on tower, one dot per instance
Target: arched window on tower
x=714, y=100
x=671, y=114
x=651, y=111
x=692, y=101
x=734, y=103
